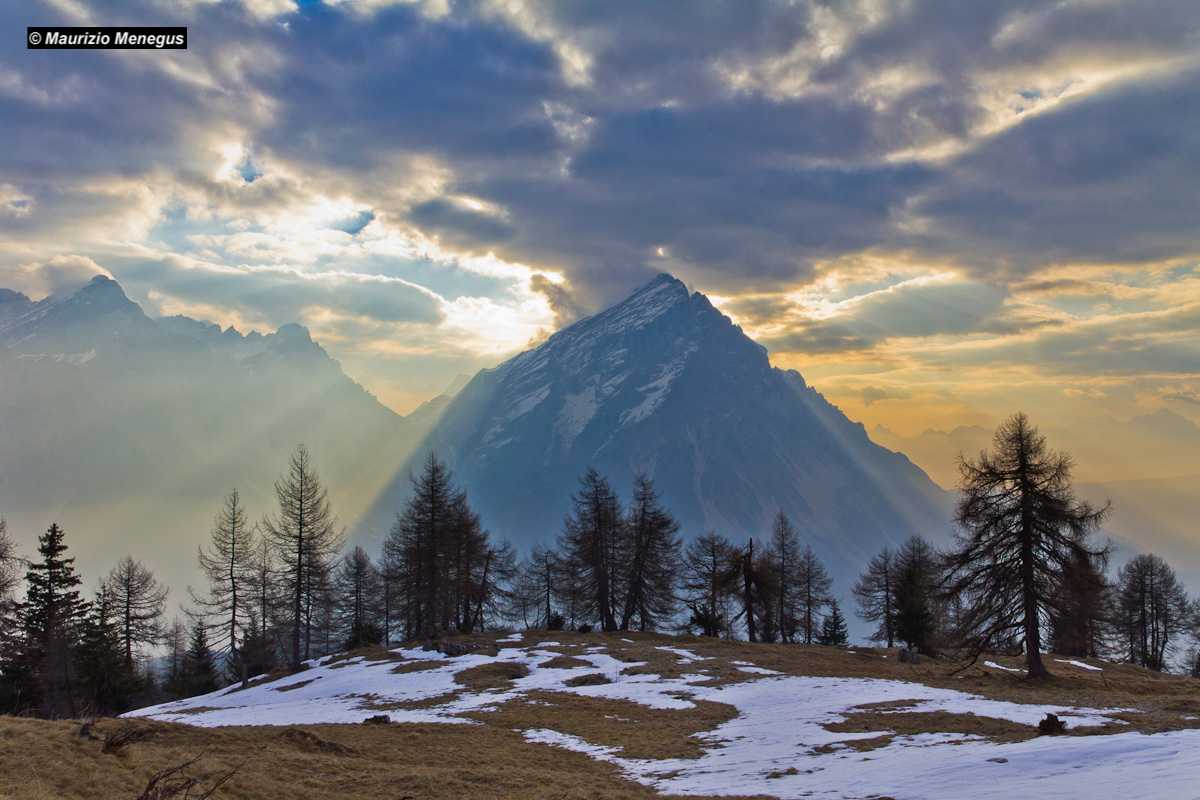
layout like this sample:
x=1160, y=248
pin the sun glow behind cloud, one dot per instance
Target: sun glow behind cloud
x=931, y=215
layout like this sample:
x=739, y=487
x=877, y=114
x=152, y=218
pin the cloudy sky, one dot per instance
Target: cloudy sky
x=938, y=211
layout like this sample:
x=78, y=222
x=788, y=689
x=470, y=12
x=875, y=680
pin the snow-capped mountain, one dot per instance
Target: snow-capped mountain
x=124, y=429
x=664, y=384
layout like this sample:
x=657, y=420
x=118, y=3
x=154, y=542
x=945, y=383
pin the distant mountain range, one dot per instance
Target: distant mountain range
x=128, y=431
x=1159, y=445
x=664, y=384
x=1148, y=467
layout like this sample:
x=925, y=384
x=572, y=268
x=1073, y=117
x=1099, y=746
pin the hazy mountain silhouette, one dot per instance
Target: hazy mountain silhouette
x=665, y=384
x=129, y=432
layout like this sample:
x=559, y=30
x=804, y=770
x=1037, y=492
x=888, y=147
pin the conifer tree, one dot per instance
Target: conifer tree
x=105, y=677
x=1018, y=524
x=10, y=564
x=543, y=575
x=229, y=566
x=391, y=562
x=358, y=590
x=813, y=592
x=48, y=621
x=1153, y=611
x=785, y=560
x=1082, y=618
x=756, y=592
x=10, y=568
x=197, y=673
x=447, y=571
x=495, y=589
x=137, y=602
x=256, y=655
x=591, y=545
x=305, y=539
x=709, y=575
x=175, y=639
x=875, y=593
x=264, y=592
x=833, y=627
x=653, y=560
x=915, y=584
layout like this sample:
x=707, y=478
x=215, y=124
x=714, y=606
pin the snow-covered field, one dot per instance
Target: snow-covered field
x=776, y=745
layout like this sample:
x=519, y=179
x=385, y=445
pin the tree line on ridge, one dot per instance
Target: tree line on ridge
x=1021, y=575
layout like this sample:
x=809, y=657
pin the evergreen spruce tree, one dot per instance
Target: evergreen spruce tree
x=915, y=584
x=256, y=655
x=105, y=677
x=43, y=667
x=197, y=673
x=833, y=627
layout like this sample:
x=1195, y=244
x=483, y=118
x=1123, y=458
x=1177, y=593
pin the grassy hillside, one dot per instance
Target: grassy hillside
x=612, y=715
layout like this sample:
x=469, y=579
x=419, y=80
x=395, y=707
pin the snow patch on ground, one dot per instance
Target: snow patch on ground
x=778, y=743
x=1080, y=664
x=685, y=656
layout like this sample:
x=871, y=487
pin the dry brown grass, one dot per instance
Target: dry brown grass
x=491, y=676
x=372, y=702
x=909, y=723
x=42, y=760
x=492, y=759
x=566, y=662
x=405, y=667
x=634, y=730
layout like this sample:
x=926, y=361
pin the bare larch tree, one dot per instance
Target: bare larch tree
x=1018, y=526
x=305, y=538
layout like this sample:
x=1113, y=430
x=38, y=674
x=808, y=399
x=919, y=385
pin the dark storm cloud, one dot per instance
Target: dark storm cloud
x=459, y=226
x=615, y=140
x=68, y=114
x=911, y=311
x=720, y=187
x=357, y=88
x=1105, y=179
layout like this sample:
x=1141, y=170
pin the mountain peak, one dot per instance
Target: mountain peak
x=647, y=302
x=99, y=313
x=662, y=384
x=12, y=305
x=293, y=333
